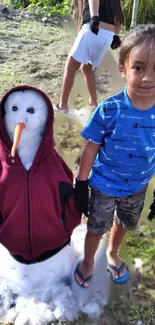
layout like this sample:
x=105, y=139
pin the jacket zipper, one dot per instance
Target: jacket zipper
x=29, y=217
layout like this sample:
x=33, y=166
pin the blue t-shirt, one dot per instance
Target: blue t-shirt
x=125, y=162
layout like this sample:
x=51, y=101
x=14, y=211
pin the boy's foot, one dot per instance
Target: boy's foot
x=56, y=108
x=118, y=270
x=83, y=274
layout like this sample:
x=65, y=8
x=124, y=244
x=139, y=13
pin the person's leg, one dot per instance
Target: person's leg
x=116, y=238
x=91, y=246
x=90, y=81
x=98, y=47
x=71, y=67
x=128, y=212
x=100, y=219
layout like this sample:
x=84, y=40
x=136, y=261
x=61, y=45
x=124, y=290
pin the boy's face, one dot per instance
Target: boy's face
x=139, y=73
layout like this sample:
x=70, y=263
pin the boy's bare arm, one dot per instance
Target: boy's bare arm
x=94, y=7
x=87, y=160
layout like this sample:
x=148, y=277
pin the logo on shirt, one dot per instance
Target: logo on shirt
x=117, y=140
x=107, y=109
x=130, y=117
x=124, y=148
x=137, y=126
x=122, y=174
x=149, y=148
x=124, y=163
x=131, y=155
x=141, y=144
x=132, y=135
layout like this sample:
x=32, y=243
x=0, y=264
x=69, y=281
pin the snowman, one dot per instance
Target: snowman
x=38, y=215
x=37, y=208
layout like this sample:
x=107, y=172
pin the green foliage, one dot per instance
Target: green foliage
x=51, y=7
x=54, y=7
x=146, y=12
x=16, y=4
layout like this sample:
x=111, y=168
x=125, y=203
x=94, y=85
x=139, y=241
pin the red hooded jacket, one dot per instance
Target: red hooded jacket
x=37, y=208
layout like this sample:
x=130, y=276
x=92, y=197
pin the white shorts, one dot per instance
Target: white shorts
x=90, y=48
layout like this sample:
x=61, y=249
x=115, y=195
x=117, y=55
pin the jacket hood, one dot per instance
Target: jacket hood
x=47, y=140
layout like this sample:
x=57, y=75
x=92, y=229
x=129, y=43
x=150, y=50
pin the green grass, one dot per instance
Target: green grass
x=142, y=244
x=34, y=53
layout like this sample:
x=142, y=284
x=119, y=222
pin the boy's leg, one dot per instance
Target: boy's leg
x=91, y=245
x=86, y=267
x=116, y=238
x=128, y=212
x=90, y=81
x=71, y=67
x=100, y=220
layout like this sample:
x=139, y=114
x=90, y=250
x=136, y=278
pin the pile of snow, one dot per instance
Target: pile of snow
x=44, y=292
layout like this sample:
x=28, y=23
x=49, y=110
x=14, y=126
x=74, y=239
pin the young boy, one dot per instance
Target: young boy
x=120, y=153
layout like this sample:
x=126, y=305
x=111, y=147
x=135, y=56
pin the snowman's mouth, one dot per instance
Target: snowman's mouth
x=17, y=135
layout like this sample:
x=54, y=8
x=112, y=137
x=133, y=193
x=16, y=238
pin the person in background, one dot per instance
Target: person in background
x=120, y=154
x=99, y=22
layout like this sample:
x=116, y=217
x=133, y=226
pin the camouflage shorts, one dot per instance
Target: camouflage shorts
x=105, y=208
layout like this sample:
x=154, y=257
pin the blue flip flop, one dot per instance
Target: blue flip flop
x=82, y=278
x=121, y=279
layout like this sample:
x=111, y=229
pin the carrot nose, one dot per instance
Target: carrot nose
x=18, y=131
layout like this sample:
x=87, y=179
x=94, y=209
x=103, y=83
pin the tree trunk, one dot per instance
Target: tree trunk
x=134, y=14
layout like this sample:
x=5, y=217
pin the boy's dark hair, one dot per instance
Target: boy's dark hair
x=114, y=10
x=136, y=37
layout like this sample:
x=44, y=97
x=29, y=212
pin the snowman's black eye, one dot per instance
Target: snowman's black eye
x=14, y=108
x=30, y=110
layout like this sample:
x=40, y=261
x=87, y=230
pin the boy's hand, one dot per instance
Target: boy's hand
x=151, y=215
x=116, y=42
x=81, y=196
x=94, y=24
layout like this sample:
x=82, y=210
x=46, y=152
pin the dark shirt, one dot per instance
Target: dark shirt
x=103, y=14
